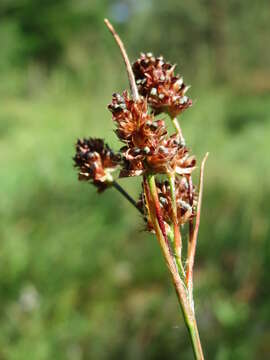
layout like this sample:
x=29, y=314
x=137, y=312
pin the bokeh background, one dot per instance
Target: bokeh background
x=79, y=278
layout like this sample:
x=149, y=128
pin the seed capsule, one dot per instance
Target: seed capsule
x=161, y=96
x=153, y=92
x=163, y=89
x=146, y=150
x=163, y=149
x=137, y=151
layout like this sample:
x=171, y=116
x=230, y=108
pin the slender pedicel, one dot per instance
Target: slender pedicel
x=127, y=196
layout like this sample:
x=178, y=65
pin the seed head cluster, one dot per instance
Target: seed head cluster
x=186, y=200
x=148, y=148
x=156, y=80
x=96, y=162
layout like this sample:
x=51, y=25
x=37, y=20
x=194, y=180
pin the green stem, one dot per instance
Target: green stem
x=158, y=214
x=177, y=235
x=195, y=339
x=186, y=304
x=181, y=270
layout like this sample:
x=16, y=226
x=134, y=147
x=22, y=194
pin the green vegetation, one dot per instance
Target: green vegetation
x=79, y=279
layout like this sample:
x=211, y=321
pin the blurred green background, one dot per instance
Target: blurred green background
x=79, y=278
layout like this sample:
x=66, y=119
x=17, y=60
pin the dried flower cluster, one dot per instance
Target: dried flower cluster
x=148, y=146
x=169, y=199
x=186, y=200
x=156, y=80
x=96, y=162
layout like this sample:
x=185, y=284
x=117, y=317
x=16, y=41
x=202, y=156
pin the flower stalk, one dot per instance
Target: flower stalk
x=178, y=130
x=157, y=210
x=126, y=195
x=177, y=240
x=193, y=240
x=185, y=302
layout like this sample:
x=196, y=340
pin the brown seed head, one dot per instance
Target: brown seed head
x=165, y=91
x=148, y=147
x=129, y=115
x=138, y=130
x=95, y=161
x=171, y=157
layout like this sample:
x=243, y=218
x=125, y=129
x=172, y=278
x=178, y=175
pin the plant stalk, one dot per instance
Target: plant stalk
x=157, y=210
x=195, y=339
x=178, y=130
x=127, y=196
x=176, y=230
x=193, y=241
x=153, y=205
x=181, y=290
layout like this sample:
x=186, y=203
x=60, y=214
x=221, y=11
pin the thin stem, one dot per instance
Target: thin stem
x=154, y=194
x=131, y=78
x=195, y=338
x=178, y=130
x=191, y=225
x=193, y=242
x=127, y=196
x=177, y=234
x=179, y=264
x=181, y=291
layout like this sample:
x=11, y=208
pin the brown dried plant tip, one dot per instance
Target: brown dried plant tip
x=156, y=80
x=96, y=162
x=148, y=147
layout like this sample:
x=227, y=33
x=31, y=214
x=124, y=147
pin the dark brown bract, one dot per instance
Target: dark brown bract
x=95, y=161
x=165, y=91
